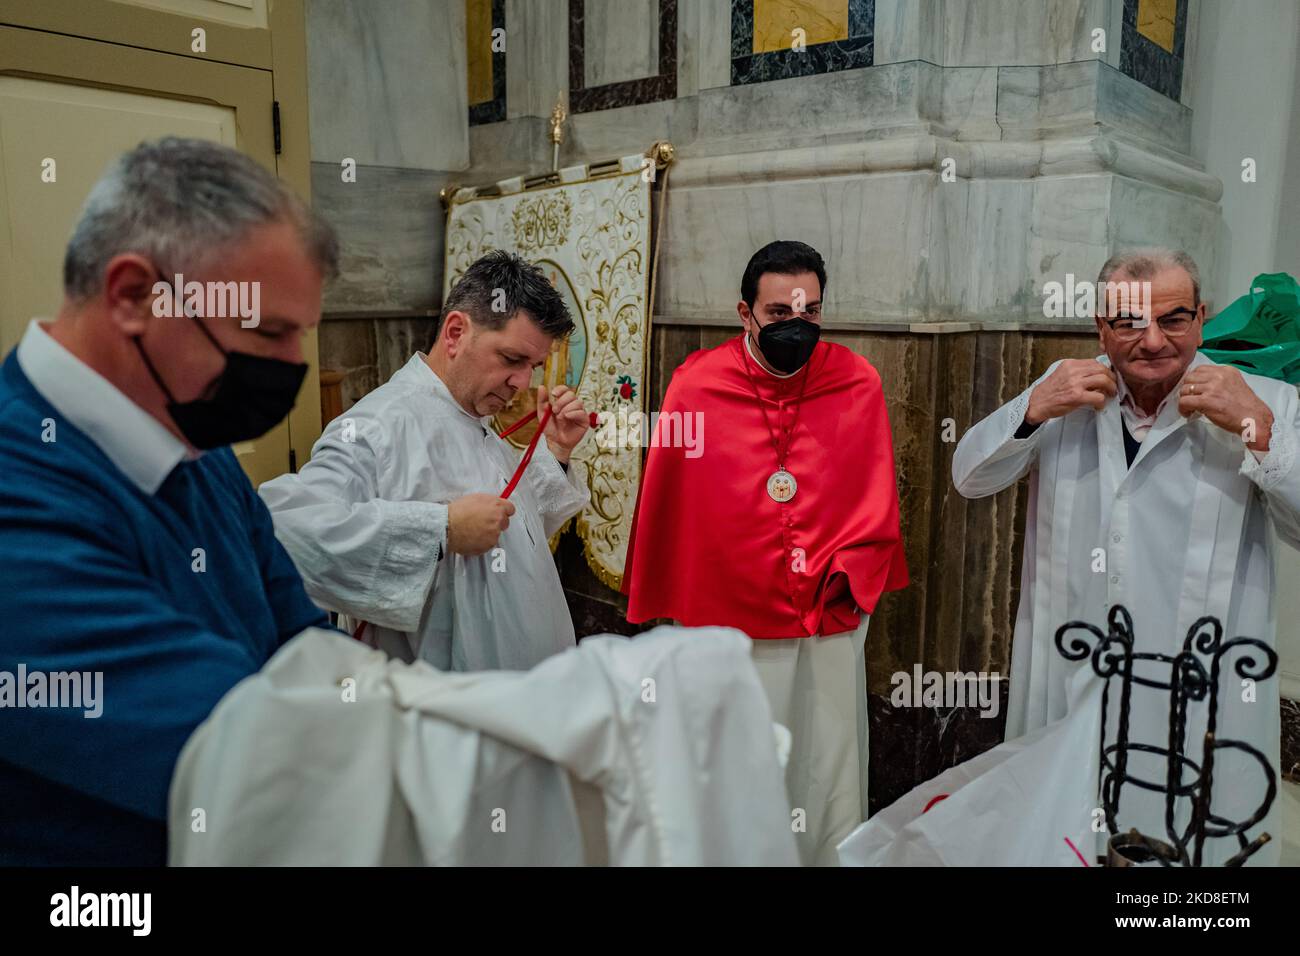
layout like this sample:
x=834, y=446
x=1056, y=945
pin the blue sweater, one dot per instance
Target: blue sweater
x=98, y=576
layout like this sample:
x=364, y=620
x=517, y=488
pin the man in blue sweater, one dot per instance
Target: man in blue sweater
x=142, y=577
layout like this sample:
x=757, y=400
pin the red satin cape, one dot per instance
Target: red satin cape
x=710, y=546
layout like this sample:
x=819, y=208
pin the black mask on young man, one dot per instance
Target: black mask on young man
x=788, y=344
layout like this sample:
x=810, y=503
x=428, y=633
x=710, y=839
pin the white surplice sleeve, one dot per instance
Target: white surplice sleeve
x=560, y=495
x=989, y=456
x=373, y=559
x=1276, y=473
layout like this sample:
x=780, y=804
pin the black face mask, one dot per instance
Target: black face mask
x=788, y=344
x=253, y=395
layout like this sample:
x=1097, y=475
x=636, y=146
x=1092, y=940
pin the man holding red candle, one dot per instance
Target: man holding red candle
x=414, y=517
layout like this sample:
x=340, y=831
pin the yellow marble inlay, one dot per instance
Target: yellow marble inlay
x=478, y=49
x=776, y=20
x=1155, y=21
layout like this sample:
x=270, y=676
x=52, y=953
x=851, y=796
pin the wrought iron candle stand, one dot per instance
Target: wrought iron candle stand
x=1189, y=680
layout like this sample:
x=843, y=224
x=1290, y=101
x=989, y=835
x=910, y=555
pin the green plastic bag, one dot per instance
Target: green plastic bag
x=1260, y=332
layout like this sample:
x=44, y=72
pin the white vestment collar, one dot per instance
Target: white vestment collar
x=418, y=370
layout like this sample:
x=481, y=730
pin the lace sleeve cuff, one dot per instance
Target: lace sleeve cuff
x=1269, y=471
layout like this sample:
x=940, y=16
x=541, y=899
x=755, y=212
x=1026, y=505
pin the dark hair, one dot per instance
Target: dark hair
x=785, y=257
x=511, y=283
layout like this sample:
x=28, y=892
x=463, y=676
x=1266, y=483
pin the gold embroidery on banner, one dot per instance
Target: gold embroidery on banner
x=542, y=223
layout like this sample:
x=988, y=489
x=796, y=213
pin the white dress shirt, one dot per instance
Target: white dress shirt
x=136, y=442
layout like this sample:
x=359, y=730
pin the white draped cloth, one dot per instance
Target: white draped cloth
x=1186, y=531
x=1028, y=802
x=336, y=754
x=365, y=521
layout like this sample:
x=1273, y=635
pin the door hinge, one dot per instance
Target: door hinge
x=293, y=461
x=275, y=124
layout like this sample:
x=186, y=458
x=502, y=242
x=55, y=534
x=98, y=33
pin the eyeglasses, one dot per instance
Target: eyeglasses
x=1126, y=328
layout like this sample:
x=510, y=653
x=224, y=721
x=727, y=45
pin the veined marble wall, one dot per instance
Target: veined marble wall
x=485, y=23
x=386, y=83
x=620, y=39
x=962, y=106
x=779, y=39
x=389, y=100
x=1154, y=43
x=621, y=52
x=1027, y=172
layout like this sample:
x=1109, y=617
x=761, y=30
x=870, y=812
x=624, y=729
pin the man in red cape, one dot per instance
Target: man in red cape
x=781, y=520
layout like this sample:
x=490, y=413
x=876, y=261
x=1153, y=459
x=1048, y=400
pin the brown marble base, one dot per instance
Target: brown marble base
x=1291, y=739
x=368, y=351
x=910, y=745
x=592, y=616
x=596, y=609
